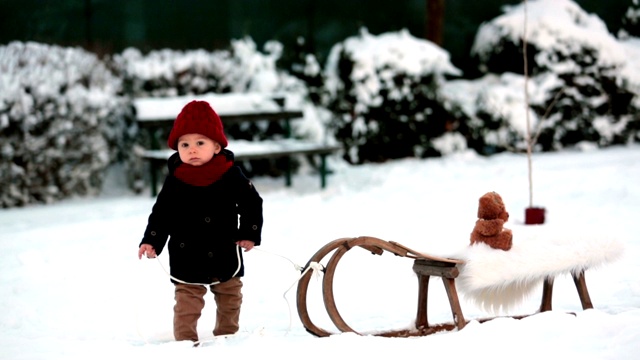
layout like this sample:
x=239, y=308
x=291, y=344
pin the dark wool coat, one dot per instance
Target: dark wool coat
x=203, y=224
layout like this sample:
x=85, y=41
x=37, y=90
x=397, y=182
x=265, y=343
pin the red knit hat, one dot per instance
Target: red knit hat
x=197, y=117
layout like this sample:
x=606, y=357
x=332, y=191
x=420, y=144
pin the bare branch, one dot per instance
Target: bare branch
x=546, y=115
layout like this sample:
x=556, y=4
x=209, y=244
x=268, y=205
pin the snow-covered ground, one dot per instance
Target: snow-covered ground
x=72, y=287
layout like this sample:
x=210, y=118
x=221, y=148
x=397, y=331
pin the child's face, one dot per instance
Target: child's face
x=197, y=149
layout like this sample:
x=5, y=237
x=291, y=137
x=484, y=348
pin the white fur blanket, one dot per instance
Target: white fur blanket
x=498, y=280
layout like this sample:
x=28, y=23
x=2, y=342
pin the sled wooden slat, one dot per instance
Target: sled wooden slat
x=408, y=252
x=303, y=285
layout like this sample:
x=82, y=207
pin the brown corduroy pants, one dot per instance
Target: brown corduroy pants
x=190, y=302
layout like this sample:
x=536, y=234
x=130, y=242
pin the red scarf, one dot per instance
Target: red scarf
x=203, y=175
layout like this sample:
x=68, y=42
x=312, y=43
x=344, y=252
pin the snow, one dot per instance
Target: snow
x=630, y=70
x=72, y=287
x=224, y=104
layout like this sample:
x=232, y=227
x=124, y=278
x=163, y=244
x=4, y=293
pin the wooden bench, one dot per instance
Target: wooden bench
x=154, y=114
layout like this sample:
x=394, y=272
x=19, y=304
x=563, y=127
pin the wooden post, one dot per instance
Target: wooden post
x=323, y=171
x=434, y=21
x=581, y=285
x=287, y=134
x=456, y=310
x=154, y=164
x=423, y=288
x=153, y=174
x=288, y=172
x=547, y=293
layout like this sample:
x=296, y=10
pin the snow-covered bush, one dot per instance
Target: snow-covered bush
x=496, y=111
x=241, y=68
x=304, y=65
x=631, y=21
x=587, y=96
x=384, y=92
x=61, y=123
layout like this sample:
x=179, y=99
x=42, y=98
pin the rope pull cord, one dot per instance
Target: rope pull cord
x=296, y=266
x=316, y=267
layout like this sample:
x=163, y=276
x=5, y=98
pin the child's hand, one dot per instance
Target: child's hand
x=146, y=249
x=245, y=244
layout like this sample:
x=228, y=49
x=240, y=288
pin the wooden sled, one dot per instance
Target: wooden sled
x=425, y=265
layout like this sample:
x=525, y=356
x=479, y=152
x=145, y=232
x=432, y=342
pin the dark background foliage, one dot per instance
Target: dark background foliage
x=110, y=26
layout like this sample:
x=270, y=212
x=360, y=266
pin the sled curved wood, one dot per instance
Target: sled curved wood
x=303, y=285
x=339, y=247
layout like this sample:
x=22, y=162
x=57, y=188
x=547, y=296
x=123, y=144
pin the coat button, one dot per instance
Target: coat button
x=181, y=245
x=210, y=254
x=207, y=219
x=255, y=227
x=153, y=233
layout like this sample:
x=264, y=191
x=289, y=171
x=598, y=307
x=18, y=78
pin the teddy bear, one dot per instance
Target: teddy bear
x=492, y=215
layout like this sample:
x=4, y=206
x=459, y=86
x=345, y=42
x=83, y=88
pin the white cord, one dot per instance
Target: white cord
x=296, y=266
x=315, y=266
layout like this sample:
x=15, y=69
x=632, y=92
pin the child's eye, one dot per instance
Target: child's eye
x=200, y=143
x=184, y=145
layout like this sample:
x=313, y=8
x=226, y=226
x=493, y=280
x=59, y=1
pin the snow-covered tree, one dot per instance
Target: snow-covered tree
x=384, y=92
